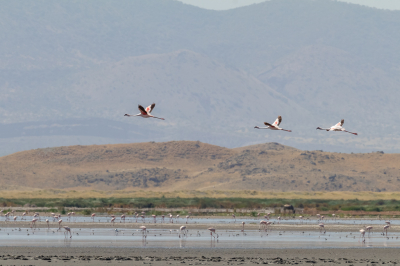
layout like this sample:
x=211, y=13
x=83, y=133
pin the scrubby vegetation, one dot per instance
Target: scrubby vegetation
x=203, y=203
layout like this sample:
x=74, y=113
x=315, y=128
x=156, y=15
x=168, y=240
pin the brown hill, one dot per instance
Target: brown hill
x=189, y=165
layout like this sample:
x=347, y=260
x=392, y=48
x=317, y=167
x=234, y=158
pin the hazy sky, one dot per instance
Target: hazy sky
x=228, y=4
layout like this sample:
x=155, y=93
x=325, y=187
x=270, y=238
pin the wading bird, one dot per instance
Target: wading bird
x=144, y=230
x=385, y=228
x=182, y=229
x=362, y=231
x=146, y=113
x=368, y=228
x=273, y=126
x=67, y=230
x=322, y=226
x=212, y=231
x=337, y=127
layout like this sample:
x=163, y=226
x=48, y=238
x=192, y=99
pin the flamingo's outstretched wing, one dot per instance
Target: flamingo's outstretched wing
x=150, y=108
x=142, y=110
x=278, y=121
x=340, y=123
x=268, y=124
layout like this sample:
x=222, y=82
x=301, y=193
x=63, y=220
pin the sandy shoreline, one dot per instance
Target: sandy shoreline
x=204, y=256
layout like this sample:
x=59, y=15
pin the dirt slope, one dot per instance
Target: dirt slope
x=189, y=165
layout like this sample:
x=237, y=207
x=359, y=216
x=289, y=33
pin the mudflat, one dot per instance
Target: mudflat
x=195, y=256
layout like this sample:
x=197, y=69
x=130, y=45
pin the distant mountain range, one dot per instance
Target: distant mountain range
x=193, y=165
x=69, y=71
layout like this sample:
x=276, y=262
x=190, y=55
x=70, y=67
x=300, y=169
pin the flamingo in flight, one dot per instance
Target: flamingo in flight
x=337, y=127
x=274, y=126
x=146, y=113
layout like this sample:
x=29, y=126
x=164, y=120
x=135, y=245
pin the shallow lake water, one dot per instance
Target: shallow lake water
x=169, y=238
x=209, y=221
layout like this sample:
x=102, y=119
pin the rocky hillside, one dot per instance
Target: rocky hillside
x=189, y=165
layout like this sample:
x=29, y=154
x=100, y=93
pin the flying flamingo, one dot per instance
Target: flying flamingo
x=182, y=229
x=67, y=229
x=273, y=126
x=337, y=127
x=146, y=113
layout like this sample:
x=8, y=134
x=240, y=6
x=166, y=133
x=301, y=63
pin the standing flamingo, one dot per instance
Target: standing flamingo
x=368, y=228
x=321, y=225
x=144, y=230
x=154, y=218
x=182, y=229
x=146, y=113
x=234, y=217
x=122, y=218
x=243, y=223
x=162, y=218
x=33, y=223
x=385, y=228
x=113, y=220
x=59, y=223
x=362, y=231
x=263, y=224
x=47, y=221
x=212, y=231
x=67, y=230
x=187, y=218
x=273, y=126
x=93, y=215
x=337, y=127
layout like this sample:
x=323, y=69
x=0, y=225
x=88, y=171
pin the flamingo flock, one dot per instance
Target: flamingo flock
x=183, y=232
x=146, y=113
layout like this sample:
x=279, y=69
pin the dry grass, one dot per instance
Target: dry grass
x=63, y=194
x=208, y=170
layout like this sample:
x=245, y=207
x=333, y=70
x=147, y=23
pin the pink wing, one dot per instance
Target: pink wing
x=277, y=121
x=150, y=108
